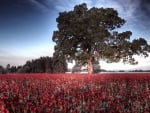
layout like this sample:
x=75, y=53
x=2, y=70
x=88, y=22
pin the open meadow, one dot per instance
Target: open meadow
x=74, y=93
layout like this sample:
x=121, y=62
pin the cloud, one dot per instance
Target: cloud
x=127, y=7
x=67, y=5
x=18, y=7
x=41, y=5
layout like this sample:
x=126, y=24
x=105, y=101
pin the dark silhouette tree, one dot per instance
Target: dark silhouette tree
x=8, y=68
x=13, y=69
x=59, y=64
x=55, y=64
x=49, y=65
x=2, y=70
x=87, y=35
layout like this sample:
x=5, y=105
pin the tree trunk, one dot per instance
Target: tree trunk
x=90, y=65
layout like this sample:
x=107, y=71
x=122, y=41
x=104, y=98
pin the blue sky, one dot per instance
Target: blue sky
x=26, y=27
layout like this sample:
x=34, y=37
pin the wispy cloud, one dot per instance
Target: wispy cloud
x=67, y=5
x=127, y=7
x=41, y=5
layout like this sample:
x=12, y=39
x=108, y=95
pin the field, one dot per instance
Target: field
x=73, y=93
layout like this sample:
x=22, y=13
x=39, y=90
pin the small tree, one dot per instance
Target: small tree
x=2, y=70
x=8, y=68
x=87, y=35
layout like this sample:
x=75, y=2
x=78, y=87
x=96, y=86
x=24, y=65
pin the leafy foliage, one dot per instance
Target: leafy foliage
x=59, y=64
x=89, y=34
x=56, y=64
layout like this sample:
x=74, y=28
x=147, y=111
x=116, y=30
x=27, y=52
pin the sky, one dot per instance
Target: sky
x=26, y=27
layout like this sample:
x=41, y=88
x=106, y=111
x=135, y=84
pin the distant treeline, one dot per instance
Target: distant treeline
x=55, y=64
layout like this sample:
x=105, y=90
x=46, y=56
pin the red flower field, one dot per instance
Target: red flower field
x=70, y=93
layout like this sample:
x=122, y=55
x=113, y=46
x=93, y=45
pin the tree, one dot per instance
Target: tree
x=8, y=68
x=87, y=35
x=59, y=64
x=13, y=69
x=49, y=66
x=55, y=64
x=2, y=70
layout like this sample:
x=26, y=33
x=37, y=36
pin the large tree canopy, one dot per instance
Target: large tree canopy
x=87, y=35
